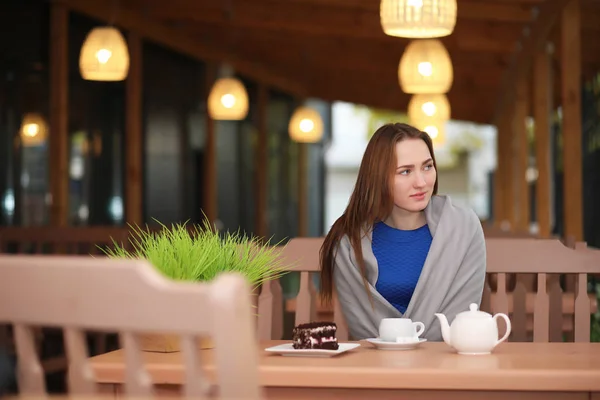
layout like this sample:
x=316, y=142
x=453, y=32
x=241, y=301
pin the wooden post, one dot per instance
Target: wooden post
x=521, y=157
x=209, y=191
x=502, y=163
x=59, y=114
x=133, y=133
x=542, y=113
x=261, y=156
x=302, y=189
x=508, y=185
x=570, y=60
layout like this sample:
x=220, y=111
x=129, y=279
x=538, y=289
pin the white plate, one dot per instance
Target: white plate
x=383, y=345
x=287, y=349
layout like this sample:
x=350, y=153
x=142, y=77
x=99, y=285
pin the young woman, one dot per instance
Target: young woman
x=400, y=250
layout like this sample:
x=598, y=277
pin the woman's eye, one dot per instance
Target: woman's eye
x=405, y=172
x=428, y=167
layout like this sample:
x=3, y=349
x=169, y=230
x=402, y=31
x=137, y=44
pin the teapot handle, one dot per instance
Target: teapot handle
x=508, y=327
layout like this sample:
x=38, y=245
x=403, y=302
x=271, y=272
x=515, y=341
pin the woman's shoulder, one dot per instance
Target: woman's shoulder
x=344, y=247
x=458, y=211
x=461, y=217
x=365, y=232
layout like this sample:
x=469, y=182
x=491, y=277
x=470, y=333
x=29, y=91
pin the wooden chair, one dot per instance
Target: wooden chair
x=79, y=293
x=551, y=310
x=303, y=254
x=505, y=257
x=70, y=240
x=491, y=231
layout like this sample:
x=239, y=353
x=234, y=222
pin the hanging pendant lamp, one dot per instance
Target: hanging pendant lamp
x=104, y=55
x=34, y=130
x=423, y=106
x=429, y=113
x=417, y=18
x=228, y=100
x=425, y=67
x=306, y=125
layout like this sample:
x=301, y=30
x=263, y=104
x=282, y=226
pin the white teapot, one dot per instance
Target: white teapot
x=473, y=331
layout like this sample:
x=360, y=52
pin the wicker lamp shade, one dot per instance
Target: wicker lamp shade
x=417, y=18
x=104, y=55
x=34, y=130
x=228, y=100
x=425, y=67
x=306, y=125
x=424, y=106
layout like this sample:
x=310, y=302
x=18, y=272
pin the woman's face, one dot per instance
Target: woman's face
x=415, y=175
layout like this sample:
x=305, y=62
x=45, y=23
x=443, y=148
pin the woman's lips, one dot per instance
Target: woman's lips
x=418, y=196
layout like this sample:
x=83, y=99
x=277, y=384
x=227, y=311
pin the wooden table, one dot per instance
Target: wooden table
x=547, y=371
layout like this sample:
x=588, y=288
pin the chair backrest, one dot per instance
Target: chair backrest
x=545, y=313
x=81, y=293
x=303, y=254
x=491, y=231
x=551, y=309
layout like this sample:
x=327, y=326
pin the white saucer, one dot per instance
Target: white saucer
x=383, y=345
x=287, y=349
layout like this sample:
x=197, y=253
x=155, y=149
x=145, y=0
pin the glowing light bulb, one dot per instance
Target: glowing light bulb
x=429, y=108
x=425, y=68
x=228, y=100
x=31, y=130
x=306, y=125
x=103, y=55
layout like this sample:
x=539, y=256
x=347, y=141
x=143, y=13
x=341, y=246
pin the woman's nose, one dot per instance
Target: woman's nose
x=419, y=180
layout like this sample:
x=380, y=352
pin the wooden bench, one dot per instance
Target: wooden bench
x=547, y=259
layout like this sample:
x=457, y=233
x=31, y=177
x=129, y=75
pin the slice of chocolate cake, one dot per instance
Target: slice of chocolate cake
x=315, y=335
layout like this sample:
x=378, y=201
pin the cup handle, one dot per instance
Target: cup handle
x=420, y=328
x=508, y=327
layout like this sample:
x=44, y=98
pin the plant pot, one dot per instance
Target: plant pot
x=156, y=343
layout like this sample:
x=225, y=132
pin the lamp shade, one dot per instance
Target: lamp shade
x=417, y=18
x=104, y=55
x=306, y=125
x=34, y=130
x=425, y=67
x=228, y=100
x=435, y=128
x=423, y=106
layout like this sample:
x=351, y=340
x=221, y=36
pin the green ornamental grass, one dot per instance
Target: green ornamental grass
x=202, y=255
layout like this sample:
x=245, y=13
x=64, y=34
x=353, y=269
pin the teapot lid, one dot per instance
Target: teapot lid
x=474, y=312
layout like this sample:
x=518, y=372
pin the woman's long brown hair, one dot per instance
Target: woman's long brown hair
x=371, y=201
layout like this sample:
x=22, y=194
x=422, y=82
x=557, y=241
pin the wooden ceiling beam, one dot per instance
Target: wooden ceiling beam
x=495, y=10
x=478, y=76
x=319, y=22
x=466, y=105
x=478, y=38
x=361, y=54
x=468, y=10
x=520, y=68
x=590, y=20
x=182, y=43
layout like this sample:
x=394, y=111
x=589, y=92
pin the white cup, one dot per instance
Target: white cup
x=390, y=329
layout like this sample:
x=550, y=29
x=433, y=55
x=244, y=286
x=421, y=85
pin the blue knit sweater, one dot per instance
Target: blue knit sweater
x=400, y=257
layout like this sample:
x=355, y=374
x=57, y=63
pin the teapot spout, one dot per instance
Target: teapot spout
x=445, y=328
